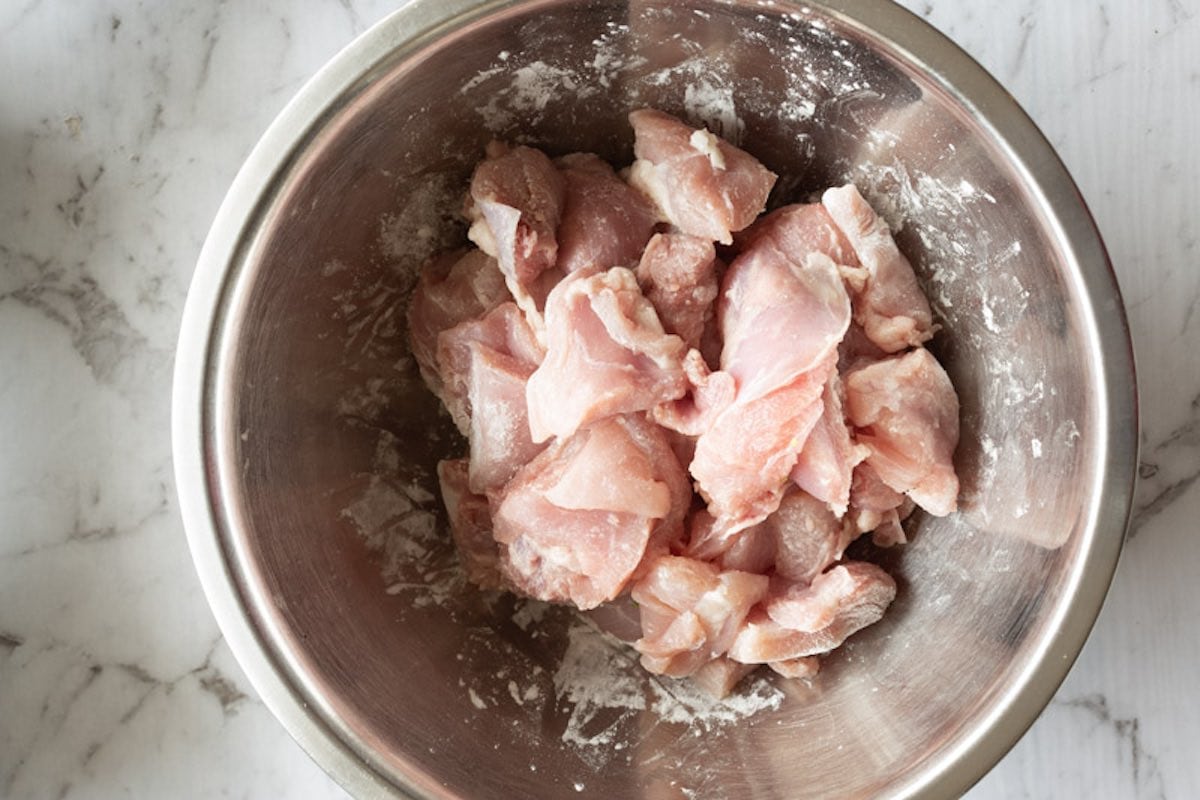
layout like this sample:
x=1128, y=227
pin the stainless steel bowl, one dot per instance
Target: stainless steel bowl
x=304, y=442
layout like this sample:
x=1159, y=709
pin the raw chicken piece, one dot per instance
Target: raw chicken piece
x=702, y=185
x=607, y=354
x=869, y=494
x=611, y=472
x=855, y=595
x=502, y=330
x=743, y=461
x=800, y=540
x=678, y=274
x=877, y=508
x=575, y=522
x=806, y=535
x=708, y=394
x=856, y=349
x=453, y=287
x=605, y=222
x=682, y=445
x=691, y=612
x=804, y=667
x=827, y=461
x=780, y=318
x=811, y=607
x=500, y=443
x=905, y=412
x=470, y=525
x=515, y=205
x=889, y=532
x=750, y=550
x=890, y=306
x=801, y=229
x=873, y=504
x=704, y=541
x=719, y=676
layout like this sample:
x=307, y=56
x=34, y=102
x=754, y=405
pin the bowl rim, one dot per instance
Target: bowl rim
x=1028, y=151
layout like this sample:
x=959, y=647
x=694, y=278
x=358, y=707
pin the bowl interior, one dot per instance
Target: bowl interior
x=325, y=441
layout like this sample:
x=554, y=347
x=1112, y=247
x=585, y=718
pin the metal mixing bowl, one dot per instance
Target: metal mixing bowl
x=304, y=443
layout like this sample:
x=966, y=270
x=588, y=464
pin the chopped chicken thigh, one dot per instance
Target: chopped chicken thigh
x=702, y=185
x=605, y=222
x=575, y=522
x=607, y=353
x=678, y=274
x=890, y=306
x=515, y=205
x=691, y=612
x=905, y=412
x=453, y=287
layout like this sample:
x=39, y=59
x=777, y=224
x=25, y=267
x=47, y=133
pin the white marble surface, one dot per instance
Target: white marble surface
x=121, y=125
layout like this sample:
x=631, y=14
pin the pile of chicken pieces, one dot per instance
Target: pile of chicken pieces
x=670, y=394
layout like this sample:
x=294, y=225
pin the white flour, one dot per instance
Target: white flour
x=597, y=675
x=713, y=104
x=530, y=90
x=608, y=693
x=426, y=219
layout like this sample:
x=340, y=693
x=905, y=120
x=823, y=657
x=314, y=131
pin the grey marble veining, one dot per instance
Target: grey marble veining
x=121, y=126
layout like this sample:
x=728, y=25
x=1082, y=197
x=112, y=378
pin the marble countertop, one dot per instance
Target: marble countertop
x=122, y=124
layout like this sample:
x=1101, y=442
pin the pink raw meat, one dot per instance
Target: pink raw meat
x=742, y=462
x=889, y=531
x=470, y=525
x=691, y=612
x=682, y=445
x=827, y=461
x=872, y=502
x=453, y=287
x=801, y=229
x=799, y=540
x=708, y=394
x=809, y=608
x=701, y=184
x=780, y=317
x=890, y=306
x=515, y=204
x=704, y=541
x=782, y=382
x=782, y=320
x=868, y=492
x=502, y=330
x=678, y=274
x=605, y=222
x=719, y=676
x=575, y=523
x=607, y=354
x=905, y=412
x=500, y=443
x=803, y=667
x=750, y=550
x=857, y=349
x=807, y=537
x=854, y=596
